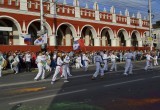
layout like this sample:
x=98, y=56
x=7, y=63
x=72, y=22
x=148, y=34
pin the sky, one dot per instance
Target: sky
x=120, y=5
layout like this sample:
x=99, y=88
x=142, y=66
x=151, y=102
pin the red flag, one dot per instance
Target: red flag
x=81, y=44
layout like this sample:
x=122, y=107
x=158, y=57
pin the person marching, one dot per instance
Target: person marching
x=85, y=60
x=98, y=61
x=64, y=67
x=58, y=68
x=148, y=61
x=28, y=61
x=105, y=58
x=14, y=64
x=113, y=58
x=40, y=64
x=67, y=60
x=78, y=62
x=48, y=59
x=128, y=67
x=155, y=60
x=1, y=63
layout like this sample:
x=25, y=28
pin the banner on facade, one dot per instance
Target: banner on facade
x=41, y=40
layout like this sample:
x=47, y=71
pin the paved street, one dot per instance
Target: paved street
x=139, y=91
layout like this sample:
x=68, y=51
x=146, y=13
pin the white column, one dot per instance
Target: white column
x=114, y=18
x=128, y=43
x=52, y=40
x=140, y=22
x=77, y=12
x=128, y=20
x=53, y=8
x=113, y=42
x=97, y=15
x=23, y=5
x=140, y=44
x=96, y=41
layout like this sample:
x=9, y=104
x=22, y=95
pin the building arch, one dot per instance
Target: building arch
x=122, y=35
x=46, y=25
x=72, y=28
x=135, y=38
x=88, y=33
x=65, y=34
x=11, y=37
x=107, y=35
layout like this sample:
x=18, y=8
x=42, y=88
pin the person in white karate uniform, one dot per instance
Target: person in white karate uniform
x=58, y=68
x=113, y=58
x=155, y=58
x=14, y=64
x=64, y=68
x=78, y=62
x=99, y=69
x=129, y=66
x=148, y=61
x=105, y=58
x=85, y=61
x=48, y=59
x=1, y=62
x=40, y=60
x=66, y=61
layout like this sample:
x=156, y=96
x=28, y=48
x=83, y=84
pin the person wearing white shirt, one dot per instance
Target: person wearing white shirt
x=14, y=64
x=148, y=61
x=99, y=69
x=66, y=61
x=28, y=61
x=128, y=67
x=113, y=58
x=1, y=62
x=58, y=69
x=41, y=70
x=105, y=58
x=85, y=61
x=155, y=60
x=78, y=62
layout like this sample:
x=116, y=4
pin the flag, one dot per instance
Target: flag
x=76, y=45
x=44, y=38
x=81, y=43
x=27, y=39
x=41, y=40
x=38, y=41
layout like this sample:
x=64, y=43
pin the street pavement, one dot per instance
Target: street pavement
x=139, y=91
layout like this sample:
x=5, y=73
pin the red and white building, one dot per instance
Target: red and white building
x=65, y=23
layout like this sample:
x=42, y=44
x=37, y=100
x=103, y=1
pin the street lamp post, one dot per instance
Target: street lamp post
x=150, y=23
x=41, y=15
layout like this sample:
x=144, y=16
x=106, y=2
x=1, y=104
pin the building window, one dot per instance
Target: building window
x=1, y=1
x=9, y=2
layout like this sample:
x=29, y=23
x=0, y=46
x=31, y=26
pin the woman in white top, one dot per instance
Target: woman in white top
x=41, y=70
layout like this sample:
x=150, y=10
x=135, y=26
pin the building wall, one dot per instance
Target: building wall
x=25, y=12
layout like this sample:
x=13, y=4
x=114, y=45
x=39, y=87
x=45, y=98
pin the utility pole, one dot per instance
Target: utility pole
x=41, y=16
x=150, y=23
